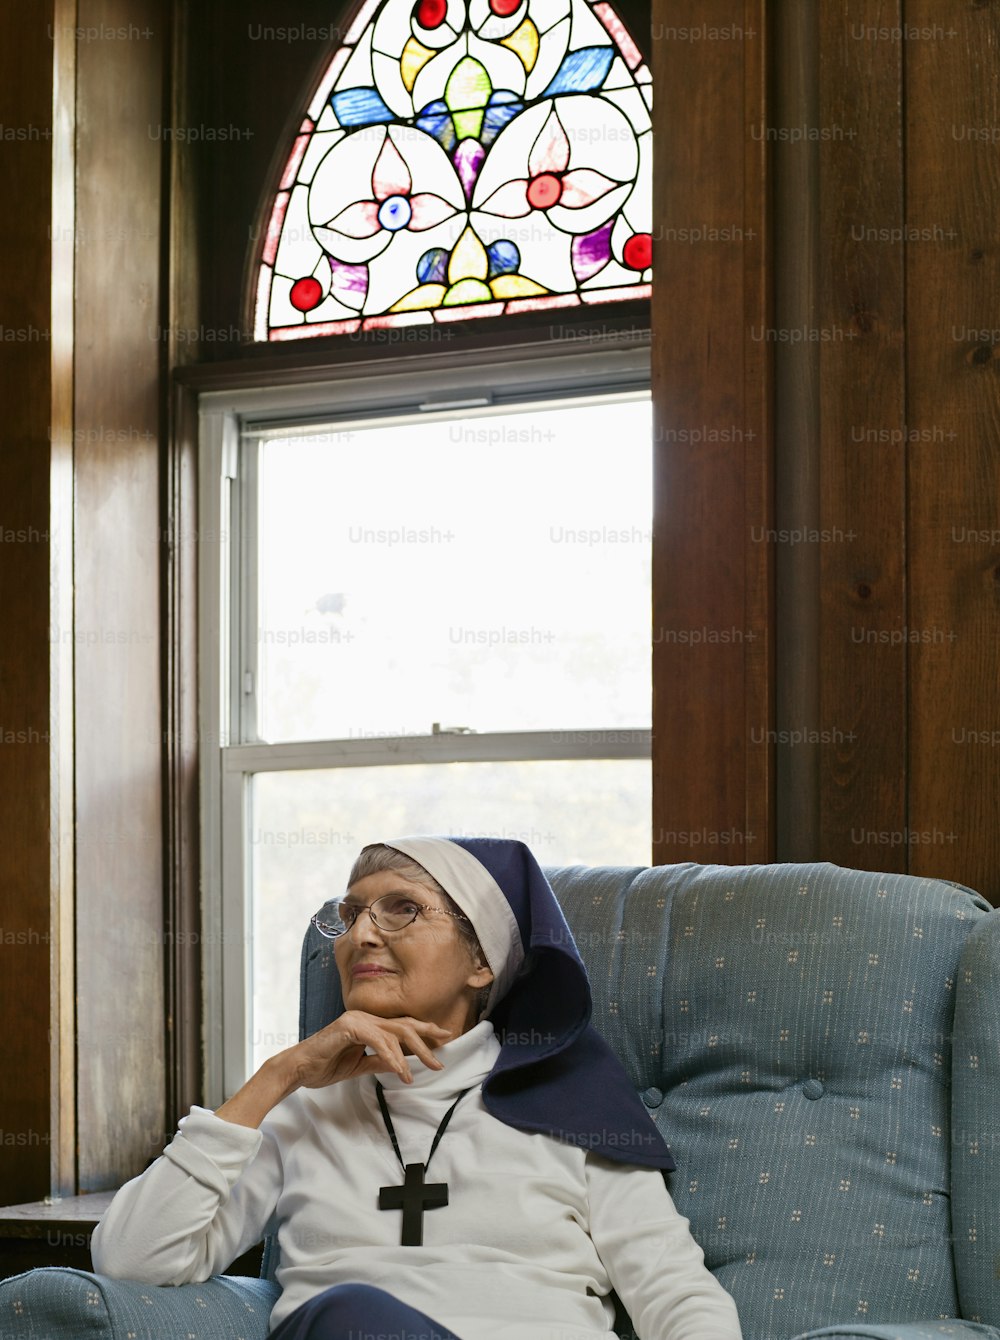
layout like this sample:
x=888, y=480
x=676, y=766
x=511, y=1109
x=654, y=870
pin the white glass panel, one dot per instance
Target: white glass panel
x=308, y=828
x=490, y=572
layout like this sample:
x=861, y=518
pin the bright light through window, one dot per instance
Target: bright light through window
x=489, y=572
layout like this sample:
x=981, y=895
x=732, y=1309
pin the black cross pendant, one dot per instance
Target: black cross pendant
x=413, y=1197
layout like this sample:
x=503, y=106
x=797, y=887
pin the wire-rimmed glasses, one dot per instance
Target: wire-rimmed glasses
x=398, y=911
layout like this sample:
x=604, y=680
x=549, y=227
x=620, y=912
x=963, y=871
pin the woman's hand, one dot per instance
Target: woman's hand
x=334, y=1053
x=338, y=1051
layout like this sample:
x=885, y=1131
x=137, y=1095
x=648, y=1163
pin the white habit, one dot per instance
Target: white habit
x=535, y=1233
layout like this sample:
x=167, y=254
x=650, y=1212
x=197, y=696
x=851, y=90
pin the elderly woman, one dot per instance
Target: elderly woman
x=464, y=990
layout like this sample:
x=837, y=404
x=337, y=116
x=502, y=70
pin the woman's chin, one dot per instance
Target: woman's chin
x=371, y=990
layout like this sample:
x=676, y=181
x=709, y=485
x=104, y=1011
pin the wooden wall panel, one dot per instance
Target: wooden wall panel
x=794, y=180
x=120, y=364
x=712, y=635
x=953, y=389
x=182, y=918
x=62, y=837
x=859, y=328
x=35, y=583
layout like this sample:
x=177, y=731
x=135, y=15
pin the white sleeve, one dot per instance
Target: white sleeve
x=657, y=1268
x=203, y=1202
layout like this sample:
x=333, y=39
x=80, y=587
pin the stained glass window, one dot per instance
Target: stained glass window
x=464, y=158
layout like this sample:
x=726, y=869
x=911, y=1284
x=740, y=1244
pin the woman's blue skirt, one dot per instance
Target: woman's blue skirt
x=359, y=1312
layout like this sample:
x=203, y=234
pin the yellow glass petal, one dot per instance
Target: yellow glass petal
x=515, y=286
x=467, y=290
x=469, y=259
x=425, y=295
x=524, y=41
x=415, y=56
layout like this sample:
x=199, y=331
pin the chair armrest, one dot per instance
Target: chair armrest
x=954, y=1328
x=59, y=1303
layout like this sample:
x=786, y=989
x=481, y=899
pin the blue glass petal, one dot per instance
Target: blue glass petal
x=581, y=71
x=435, y=119
x=432, y=267
x=502, y=107
x=360, y=107
x=504, y=258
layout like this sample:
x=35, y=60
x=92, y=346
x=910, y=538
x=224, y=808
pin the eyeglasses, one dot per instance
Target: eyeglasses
x=395, y=912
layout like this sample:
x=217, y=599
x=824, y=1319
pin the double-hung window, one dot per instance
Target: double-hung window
x=424, y=608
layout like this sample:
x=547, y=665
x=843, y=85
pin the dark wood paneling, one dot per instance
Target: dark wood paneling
x=758, y=456
x=953, y=393
x=794, y=178
x=181, y=746
x=62, y=991
x=712, y=643
x=119, y=366
x=29, y=844
x=862, y=698
x=250, y=75
x=181, y=539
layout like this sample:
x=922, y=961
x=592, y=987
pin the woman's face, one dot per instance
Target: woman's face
x=429, y=974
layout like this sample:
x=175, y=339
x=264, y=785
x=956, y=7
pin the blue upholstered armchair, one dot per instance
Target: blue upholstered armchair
x=820, y=1049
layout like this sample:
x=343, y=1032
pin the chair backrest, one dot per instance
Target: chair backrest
x=817, y=1046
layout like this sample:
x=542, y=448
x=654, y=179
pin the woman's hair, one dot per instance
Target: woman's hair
x=377, y=857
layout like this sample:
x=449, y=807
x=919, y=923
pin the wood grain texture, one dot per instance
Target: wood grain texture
x=712, y=625
x=181, y=535
x=862, y=699
x=953, y=395
x=183, y=985
x=794, y=179
x=29, y=850
x=62, y=991
x=119, y=794
x=31, y=1217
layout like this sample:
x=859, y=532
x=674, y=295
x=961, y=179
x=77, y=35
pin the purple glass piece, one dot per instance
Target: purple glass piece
x=591, y=251
x=468, y=160
x=350, y=283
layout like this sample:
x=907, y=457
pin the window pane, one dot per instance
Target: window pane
x=308, y=828
x=490, y=572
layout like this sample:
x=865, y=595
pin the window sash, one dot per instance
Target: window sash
x=230, y=754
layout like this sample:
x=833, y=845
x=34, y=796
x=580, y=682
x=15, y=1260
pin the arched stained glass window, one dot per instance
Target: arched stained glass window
x=464, y=158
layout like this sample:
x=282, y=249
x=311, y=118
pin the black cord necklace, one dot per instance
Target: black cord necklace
x=414, y=1195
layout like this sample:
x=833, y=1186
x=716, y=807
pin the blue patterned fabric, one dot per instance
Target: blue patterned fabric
x=975, y=1127
x=820, y=1049
x=942, y=1330
x=64, y=1304
x=789, y=1027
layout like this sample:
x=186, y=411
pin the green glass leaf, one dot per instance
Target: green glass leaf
x=465, y=291
x=469, y=124
x=469, y=86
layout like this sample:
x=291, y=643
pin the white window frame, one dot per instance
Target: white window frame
x=229, y=756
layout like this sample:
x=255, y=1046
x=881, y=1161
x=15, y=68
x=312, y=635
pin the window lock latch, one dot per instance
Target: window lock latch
x=438, y=729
